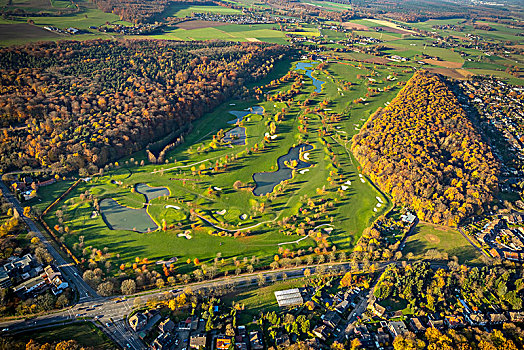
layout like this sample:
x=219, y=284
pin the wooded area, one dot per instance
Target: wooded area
x=425, y=152
x=79, y=105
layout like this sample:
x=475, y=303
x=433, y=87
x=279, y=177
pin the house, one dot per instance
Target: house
x=454, y=321
x=377, y=310
x=497, y=318
x=397, y=328
x=166, y=326
x=416, y=325
x=222, y=342
x=282, y=340
x=55, y=279
x=137, y=321
x=477, y=319
x=164, y=341
x=381, y=337
x=321, y=332
x=516, y=316
x=255, y=340
x=5, y=281
x=198, y=341
x=331, y=319
x=438, y=324
x=289, y=297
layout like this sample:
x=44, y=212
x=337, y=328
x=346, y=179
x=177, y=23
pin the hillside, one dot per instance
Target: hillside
x=425, y=152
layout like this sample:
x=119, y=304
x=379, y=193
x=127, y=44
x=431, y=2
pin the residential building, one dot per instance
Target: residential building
x=397, y=328
x=416, y=325
x=256, y=341
x=164, y=341
x=331, y=319
x=137, y=321
x=198, y=341
x=166, y=326
x=497, y=318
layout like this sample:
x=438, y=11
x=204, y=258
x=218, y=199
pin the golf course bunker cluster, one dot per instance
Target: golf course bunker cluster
x=119, y=217
x=266, y=181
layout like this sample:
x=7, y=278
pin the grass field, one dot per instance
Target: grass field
x=261, y=299
x=85, y=334
x=444, y=239
x=181, y=10
x=234, y=32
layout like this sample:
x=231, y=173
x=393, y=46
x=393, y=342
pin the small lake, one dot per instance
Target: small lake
x=119, y=217
x=266, y=181
x=236, y=136
x=241, y=114
x=308, y=68
x=151, y=192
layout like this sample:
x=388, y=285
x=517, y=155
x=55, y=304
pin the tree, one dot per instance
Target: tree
x=128, y=287
x=61, y=301
x=106, y=289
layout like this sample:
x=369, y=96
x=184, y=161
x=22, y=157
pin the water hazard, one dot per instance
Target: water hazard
x=119, y=217
x=266, y=181
x=308, y=68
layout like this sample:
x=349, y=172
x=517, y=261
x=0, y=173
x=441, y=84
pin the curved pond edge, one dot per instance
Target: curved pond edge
x=302, y=148
x=145, y=207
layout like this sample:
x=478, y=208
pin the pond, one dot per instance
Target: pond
x=236, y=136
x=119, y=217
x=266, y=181
x=151, y=192
x=241, y=114
x=308, y=68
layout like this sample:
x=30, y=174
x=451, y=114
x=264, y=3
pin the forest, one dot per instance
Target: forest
x=79, y=105
x=424, y=151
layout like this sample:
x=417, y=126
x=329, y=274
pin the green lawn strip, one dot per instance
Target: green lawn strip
x=85, y=333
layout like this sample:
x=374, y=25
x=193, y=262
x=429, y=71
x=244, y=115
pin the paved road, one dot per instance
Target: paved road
x=112, y=312
x=68, y=270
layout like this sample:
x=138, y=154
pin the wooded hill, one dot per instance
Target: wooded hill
x=424, y=151
x=79, y=105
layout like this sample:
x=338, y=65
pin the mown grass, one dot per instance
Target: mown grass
x=444, y=239
x=86, y=334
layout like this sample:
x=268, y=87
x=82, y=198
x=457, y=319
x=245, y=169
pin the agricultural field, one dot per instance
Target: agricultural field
x=182, y=10
x=443, y=239
x=208, y=208
x=233, y=32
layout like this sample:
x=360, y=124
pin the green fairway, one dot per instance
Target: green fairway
x=444, y=239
